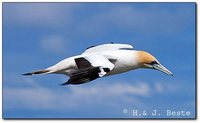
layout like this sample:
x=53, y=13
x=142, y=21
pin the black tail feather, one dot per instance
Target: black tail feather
x=36, y=72
x=63, y=84
x=27, y=74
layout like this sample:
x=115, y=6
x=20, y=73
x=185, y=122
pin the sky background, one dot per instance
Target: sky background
x=38, y=35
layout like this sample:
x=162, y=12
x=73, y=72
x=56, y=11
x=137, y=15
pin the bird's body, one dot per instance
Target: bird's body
x=102, y=60
x=120, y=58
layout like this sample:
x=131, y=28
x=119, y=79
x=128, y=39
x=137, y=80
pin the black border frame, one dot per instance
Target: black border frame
x=196, y=77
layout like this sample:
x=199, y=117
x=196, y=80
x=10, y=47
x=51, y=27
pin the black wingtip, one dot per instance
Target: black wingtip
x=27, y=74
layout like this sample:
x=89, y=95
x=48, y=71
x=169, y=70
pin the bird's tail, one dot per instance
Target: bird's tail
x=45, y=71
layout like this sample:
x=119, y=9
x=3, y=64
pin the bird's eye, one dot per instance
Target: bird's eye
x=153, y=63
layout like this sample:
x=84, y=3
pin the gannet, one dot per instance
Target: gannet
x=103, y=60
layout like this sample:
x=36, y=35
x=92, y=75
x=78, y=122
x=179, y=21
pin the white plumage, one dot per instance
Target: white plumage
x=103, y=60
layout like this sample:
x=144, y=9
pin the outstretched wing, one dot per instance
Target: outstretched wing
x=89, y=68
x=106, y=47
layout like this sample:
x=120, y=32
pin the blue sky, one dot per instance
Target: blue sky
x=38, y=35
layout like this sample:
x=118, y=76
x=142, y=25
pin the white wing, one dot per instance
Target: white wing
x=100, y=61
x=106, y=47
x=90, y=68
x=95, y=61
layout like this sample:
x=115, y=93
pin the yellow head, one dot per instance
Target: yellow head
x=146, y=60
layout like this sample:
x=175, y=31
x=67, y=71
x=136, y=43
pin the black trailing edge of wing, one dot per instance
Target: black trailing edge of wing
x=83, y=76
x=82, y=63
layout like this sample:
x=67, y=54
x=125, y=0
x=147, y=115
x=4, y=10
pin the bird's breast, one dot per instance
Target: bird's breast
x=125, y=61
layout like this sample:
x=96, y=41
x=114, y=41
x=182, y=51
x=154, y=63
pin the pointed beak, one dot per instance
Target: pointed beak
x=162, y=69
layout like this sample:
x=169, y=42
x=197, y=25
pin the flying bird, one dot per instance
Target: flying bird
x=103, y=60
